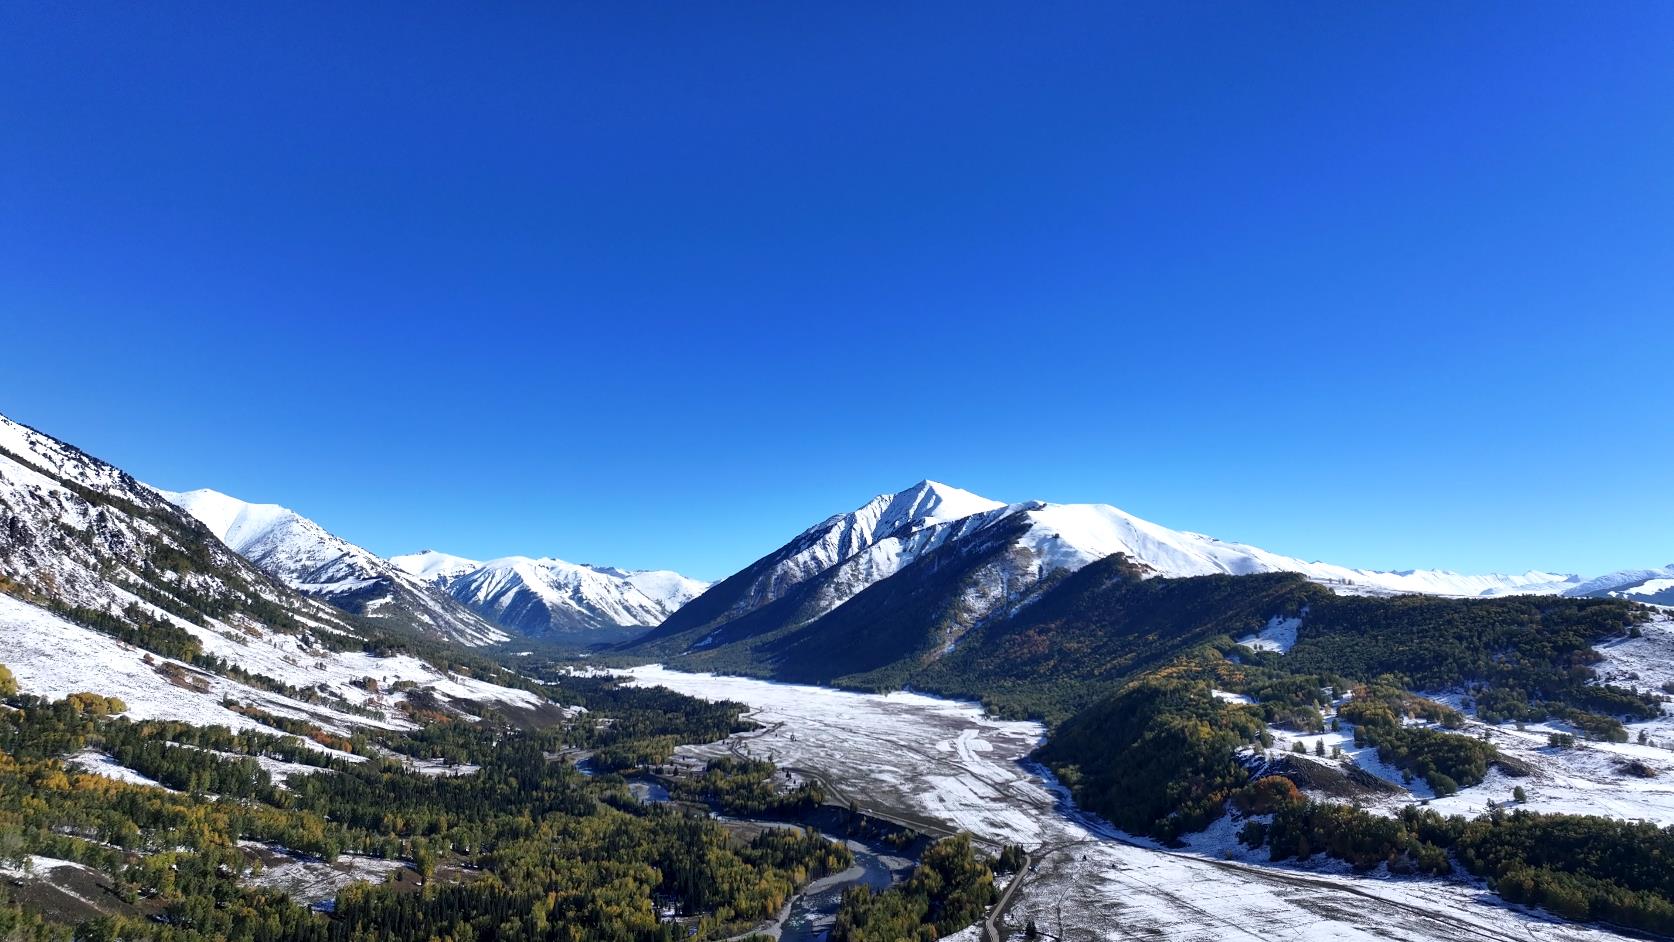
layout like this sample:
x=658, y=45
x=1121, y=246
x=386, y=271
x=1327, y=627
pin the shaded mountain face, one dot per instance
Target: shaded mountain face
x=305, y=556
x=551, y=598
x=832, y=561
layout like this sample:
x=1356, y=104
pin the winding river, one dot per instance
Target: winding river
x=810, y=914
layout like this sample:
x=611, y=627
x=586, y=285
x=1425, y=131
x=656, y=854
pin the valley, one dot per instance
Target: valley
x=945, y=763
x=1272, y=748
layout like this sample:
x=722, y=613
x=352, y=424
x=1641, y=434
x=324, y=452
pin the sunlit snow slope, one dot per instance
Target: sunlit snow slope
x=303, y=555
x=88, y=553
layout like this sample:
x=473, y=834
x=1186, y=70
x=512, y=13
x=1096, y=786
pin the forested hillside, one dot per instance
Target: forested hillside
x=1173, y=749
x=474, y=854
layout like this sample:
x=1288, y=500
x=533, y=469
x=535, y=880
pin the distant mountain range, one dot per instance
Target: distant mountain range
x=462, y=600
x=542, y=597
x=1638, y=585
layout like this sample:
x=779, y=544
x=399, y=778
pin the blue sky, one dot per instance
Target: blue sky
x=661, y=284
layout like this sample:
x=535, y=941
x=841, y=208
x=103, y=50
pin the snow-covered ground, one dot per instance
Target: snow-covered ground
x=1589, y=778
x=36, y=865
x=97, y=763
x=437, y=767
x=310, y=880
x=1279, y=634
x=1630, y=780
x=1645, y=663
x=52, y=657
x=918, y=756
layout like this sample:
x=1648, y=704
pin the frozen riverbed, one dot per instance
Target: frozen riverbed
x=919, y=757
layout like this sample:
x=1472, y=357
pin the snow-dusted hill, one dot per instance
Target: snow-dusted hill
x=551, y=596
x=308, y=558
x=1638, y=585
x=52, y=657
x=105, y=586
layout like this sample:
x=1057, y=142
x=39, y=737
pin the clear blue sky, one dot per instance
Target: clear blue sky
x=659, y=284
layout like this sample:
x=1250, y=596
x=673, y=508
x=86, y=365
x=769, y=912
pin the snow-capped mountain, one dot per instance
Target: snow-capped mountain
x=865, y=545
x=434, y=567
x=989, y=555
x=551, y=596
x=1638, y=585
x=308, y=558
x=106, y=586
x=458, y=598
x=885, y=519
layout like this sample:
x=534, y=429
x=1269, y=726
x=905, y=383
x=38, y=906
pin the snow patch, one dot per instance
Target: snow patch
x=1279, y=634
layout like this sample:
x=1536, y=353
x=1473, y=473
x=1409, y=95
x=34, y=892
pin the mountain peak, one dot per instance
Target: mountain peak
x=430, y=565
x=239, y=523
x=930, y=502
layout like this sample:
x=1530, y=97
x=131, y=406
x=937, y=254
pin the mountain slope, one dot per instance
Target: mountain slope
x=551, y=597
x=1069, y=536
x=875, y=540
x=1101, y=624
x=106, y=581
x=303, y=555
x=1639, y=585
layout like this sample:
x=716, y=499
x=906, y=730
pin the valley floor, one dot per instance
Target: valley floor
x=941, y=762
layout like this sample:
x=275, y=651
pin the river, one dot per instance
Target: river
x=811, y=913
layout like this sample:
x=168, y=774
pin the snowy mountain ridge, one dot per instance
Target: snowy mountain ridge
x=1639, y=585
x=432, y=566
x=316, y=562
x=546, y=595
x=1068, y=536
x=465, y=600
x=830, y=563
x=884, y=533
